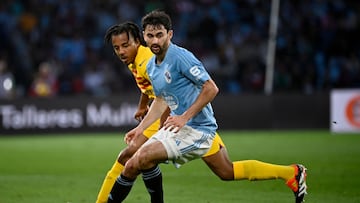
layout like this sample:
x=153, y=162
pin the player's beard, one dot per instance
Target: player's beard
x=156, y=49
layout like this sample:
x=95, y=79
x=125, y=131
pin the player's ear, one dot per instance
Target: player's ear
x=170, y=33
x=137, y=42
x=143, y=35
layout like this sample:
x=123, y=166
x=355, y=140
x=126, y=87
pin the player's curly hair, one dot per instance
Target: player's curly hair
x=130, y=28
x=156, y=18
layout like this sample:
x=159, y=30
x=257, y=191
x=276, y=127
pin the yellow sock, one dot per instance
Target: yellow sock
x=257, y=170
x=109, y=182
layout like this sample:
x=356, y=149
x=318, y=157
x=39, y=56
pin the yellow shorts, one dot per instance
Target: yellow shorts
x=152, y=129
x=215, y=147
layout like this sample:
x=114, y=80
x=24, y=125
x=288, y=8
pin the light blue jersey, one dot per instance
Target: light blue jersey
x=178, y=80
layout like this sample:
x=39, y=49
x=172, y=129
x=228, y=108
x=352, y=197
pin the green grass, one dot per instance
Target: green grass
x=71, y=168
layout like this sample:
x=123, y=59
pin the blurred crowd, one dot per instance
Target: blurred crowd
x=53, y=48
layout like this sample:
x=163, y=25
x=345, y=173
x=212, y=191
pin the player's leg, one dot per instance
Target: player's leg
x=219, y=162
x=155, y=189
x=247, y=169
x=163, y=146
x=214, y=156
x=117, y=167
x=293, y=175
x=144, y=160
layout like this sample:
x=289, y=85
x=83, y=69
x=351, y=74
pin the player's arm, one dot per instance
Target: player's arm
x=208, y=92
x=142, y=107
x=164, y=116
x=157, y=108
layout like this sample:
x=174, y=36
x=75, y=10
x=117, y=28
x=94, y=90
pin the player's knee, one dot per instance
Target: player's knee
x=224, y=173
x=144, y=159
x=226, y=176
x=132, y=165
x=126, y=154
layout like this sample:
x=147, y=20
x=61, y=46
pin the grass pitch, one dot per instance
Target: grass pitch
x=70, y=168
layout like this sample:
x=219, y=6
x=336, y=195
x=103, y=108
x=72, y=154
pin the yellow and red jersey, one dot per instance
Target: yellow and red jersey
x=138, y=69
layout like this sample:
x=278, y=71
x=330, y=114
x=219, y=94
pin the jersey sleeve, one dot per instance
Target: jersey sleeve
x=193, y=69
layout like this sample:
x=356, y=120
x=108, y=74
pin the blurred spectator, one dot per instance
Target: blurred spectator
x=317, y=43
x=7, y=83
x=45, y=83
x=95, y=81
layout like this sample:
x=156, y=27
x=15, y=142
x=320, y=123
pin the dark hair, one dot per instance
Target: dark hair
x=129, y=28
x=157, y=18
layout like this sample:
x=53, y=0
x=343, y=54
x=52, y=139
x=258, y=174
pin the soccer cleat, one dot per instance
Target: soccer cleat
x=298, y=183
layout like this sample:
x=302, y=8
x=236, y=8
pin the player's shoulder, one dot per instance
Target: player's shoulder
x=177, y=49
x=177, y=53
x=142, y=57
x=144, y=52
x=144, y=49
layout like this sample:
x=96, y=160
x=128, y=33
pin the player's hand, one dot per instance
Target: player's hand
x=140, y=113
x=129, y=136
x=174, y=123
x=163, y=117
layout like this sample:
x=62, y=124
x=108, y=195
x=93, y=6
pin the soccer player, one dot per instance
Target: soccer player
x=130, y=48
x=181, y=82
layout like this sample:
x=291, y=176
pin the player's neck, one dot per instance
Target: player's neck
x=160, y=58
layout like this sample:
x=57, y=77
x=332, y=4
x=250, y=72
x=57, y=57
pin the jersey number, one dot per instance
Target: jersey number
x=195, y=71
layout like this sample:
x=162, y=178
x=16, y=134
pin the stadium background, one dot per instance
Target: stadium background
x=54, y=50
x=65, y=100
x=317, y=44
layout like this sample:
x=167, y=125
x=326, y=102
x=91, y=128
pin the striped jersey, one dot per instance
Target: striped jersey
x=138, y=69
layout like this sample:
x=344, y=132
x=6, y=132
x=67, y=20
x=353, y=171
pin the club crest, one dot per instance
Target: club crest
x=167, y=76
